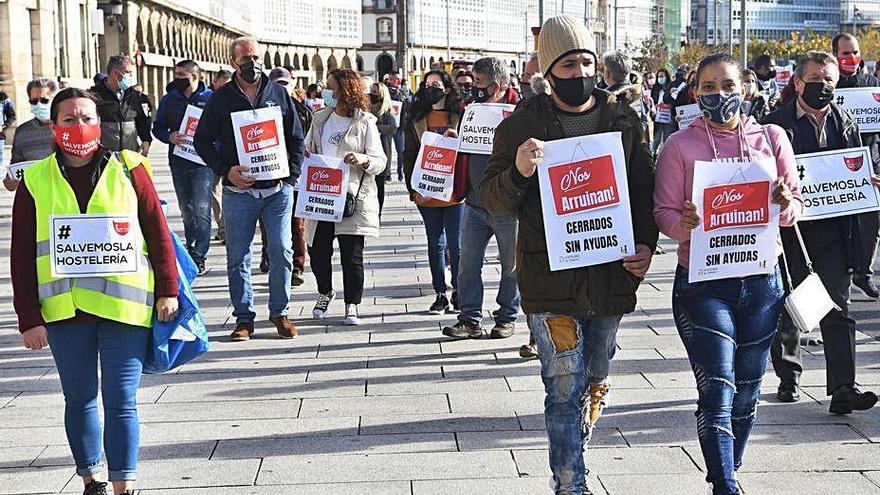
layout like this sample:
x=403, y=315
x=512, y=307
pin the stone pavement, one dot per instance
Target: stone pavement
x=392, y=407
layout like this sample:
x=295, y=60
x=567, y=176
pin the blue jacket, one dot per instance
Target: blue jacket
x=216, y=125
x=170, y=115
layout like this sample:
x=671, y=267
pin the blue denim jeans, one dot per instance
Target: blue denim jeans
x=240, y=214
x=76, y=348
x=443, y=229
x=398, y=146
x=727, y=327
x=573, y=353
x=194, y=187
x=477, y=228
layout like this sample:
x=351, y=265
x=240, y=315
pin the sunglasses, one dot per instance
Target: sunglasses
x=44, y=101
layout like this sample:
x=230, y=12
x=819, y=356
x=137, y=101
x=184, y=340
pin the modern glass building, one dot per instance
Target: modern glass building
x=859, y=14
x=766, y=19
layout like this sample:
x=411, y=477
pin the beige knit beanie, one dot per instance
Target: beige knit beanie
x=561, y=36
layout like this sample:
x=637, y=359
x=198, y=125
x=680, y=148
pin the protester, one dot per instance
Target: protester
x=753, y=104
x=814, y=122
x=574, y=314
x=313, y=92
x=661, y=94
x=514, y=85
x=7, y=120
x=726, y=325
x=464, y=81
x=436, y=107
x=222, y=77
x=346, y=129
x=618, y=67
x=85, y=321
x=193, y=182
x=246, y=200
x=845, y=48
x=765, y=68
x=686, y=95
x=125, y=112
x=380, y=107
x=33, y=139
x=400, y=93
x=531, y=69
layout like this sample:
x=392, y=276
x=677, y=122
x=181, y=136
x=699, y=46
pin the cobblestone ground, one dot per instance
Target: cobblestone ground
x=392, y=407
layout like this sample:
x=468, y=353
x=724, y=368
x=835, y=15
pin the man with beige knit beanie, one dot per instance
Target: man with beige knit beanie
x=573, y=314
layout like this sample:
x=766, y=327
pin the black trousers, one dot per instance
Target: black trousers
x=869, y=227
x=351, y=250
x=380, y=189
x=838, y=329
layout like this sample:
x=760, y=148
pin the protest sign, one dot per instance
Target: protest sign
x=16, y=170
x=863, y=104
x=739, y=225
x=94, y=245
x=585, y=201
x=837, y=183
x=434, y=172
x=396, y=109
x=323, y=186
x=478, y=126
x=187, y=131
x=687, y=114
x=664, y=113
x=259, y=138
x=315, y=104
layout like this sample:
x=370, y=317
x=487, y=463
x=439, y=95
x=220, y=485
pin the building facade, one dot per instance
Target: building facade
x=859, y=15
x=766, y=19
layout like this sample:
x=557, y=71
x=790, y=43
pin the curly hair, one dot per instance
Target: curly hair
x=350, y=95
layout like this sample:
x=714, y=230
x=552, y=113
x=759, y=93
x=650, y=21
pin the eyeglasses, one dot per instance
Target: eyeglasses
x=466, y=87
x=44, y=101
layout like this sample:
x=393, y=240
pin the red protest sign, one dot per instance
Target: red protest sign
x=440, y=160
x=584, y=185
x=736, y=205
x=191, y=124
x=259, y=136
x=325, y=181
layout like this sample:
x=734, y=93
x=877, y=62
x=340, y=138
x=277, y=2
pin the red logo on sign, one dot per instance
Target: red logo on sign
x=121, y=228
x=584, y=185
x=505, y=113
x=876, y=97
x=854, y=163
x=191, y=124
x=440, y=160
x=325, y=181
x=259, y=136
x=736, y=205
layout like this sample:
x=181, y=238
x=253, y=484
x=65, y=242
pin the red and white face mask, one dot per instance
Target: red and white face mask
x=849, y=65
x=79, y=140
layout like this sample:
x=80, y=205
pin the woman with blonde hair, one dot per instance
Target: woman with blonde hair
x=380, y=106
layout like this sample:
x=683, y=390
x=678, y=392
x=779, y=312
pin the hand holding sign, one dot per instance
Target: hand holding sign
x=177, y=139
x=689, y=218
x=639, y=263
x=782, y=194
x=238, y=179
x=528, y=156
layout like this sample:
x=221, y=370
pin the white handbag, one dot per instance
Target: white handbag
x=809, y=302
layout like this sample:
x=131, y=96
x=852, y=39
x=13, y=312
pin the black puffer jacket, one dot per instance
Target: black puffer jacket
x=124, y=121
x=606, y=289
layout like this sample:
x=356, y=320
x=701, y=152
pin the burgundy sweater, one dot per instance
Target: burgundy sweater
x=23, y=252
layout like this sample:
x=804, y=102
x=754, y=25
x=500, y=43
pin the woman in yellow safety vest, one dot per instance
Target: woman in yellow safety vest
x=92, y=260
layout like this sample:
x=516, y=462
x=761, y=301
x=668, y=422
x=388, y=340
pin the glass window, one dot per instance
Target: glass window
x=384, y=30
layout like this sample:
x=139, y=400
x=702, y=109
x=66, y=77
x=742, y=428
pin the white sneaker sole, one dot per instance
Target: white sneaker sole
x=351, y=323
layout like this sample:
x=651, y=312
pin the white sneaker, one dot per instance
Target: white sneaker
x=351, y=315
x=321, y=307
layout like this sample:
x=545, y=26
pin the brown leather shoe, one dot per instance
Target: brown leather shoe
x=286, y=329
x=242, y=332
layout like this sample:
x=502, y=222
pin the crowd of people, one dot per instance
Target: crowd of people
x=89, y=152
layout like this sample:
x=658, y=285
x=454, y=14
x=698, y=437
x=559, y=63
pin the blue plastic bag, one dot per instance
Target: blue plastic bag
x=174, y=343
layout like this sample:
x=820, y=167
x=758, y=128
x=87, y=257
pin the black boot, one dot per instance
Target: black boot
x=96, y=488
x=849, y=398
x=867, y=286
x=788, y=391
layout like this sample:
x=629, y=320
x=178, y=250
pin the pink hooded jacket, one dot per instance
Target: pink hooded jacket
x=675, y=172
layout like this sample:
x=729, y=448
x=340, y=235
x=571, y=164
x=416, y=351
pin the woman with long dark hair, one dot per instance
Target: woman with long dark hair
x=436, y=107
x=380, y=107
x=664, y=124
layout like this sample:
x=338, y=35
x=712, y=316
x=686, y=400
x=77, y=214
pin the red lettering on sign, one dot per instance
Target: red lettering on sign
x=584, y=185
x=259, y=136
x=121, y=228
x=854, y=163
x=191, y=124
x=440, y=160
x=325, y=181
x=876, y=97
x=736, y=205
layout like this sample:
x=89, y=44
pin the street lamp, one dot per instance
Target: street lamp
x=857, y=14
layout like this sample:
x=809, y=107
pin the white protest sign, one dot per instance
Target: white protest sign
x=94, y=245
x=687, y=114
x=738, y=223
x=259, y=138
x=323, y=187
x=15, y=171
x=434, y=172
x=585, y=201
x=187, y=131
x=478, y=126
x=863, y=104
x=315, y=104
x=396, y=108
x=664, y=113
x=837, y=183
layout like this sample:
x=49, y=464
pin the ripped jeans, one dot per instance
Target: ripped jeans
x=727, y=327
x=574, y=354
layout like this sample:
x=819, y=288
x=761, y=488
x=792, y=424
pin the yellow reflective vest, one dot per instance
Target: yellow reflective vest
x=123, y=298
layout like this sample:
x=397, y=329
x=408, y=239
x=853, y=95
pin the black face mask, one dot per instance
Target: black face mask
x=251, y=71
x=480, y=95
x=574, y=91
x=433, y=95
x=818, y=95
x=375, y=99
x=771, y=74
x=181, y=84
